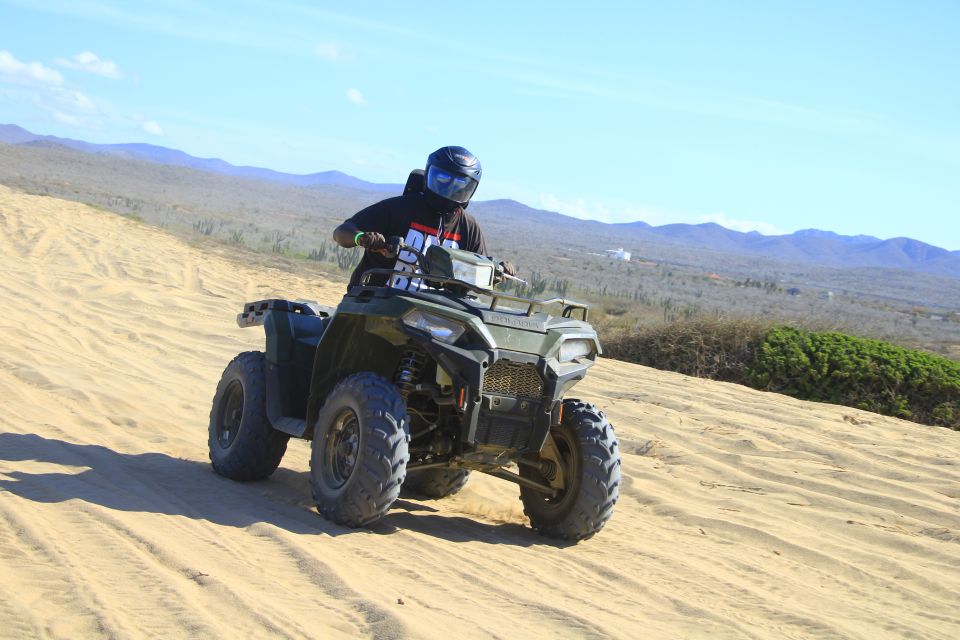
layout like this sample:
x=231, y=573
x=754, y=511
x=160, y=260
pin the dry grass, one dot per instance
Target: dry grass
x=719, y=349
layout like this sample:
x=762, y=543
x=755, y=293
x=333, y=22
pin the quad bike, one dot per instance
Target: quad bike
x=413, y=390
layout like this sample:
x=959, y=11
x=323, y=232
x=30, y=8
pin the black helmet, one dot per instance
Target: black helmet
x=453, y=174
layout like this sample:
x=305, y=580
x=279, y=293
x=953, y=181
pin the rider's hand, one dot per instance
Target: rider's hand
x=508, y=268
x=372, y=241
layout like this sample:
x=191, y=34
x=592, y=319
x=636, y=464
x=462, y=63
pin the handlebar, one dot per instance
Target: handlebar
x=507, y=276
x=396, y=244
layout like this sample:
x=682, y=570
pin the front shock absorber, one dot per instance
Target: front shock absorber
x=409, y=368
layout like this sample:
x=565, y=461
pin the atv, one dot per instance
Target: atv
x=403, y=390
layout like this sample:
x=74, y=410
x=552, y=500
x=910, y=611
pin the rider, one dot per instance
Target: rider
x=434, y=216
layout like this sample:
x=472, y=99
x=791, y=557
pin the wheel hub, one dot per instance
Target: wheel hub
x=342, y=446
x=231, y=414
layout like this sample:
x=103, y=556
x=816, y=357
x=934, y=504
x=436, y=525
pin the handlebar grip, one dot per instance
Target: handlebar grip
x=395, y=245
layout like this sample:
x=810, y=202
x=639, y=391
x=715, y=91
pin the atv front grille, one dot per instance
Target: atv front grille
x=505, y=378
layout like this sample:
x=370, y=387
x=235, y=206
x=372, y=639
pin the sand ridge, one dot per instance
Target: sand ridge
x=743, y=514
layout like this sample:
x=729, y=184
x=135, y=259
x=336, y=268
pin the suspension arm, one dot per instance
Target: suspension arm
x=503, y=474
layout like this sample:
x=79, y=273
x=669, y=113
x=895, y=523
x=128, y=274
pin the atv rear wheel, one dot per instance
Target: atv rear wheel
x=589, y=461
x=436, y=483
x=243, y=445
x=360, y=450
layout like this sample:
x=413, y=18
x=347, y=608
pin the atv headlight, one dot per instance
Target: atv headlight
x=442, y=329
x=575, y=348
x=479, y=275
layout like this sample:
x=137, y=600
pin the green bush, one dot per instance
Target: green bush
x=859, y=372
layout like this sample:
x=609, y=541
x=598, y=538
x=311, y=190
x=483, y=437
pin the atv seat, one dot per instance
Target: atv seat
x=307, y=331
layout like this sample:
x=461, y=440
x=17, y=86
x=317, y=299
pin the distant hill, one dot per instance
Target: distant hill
x=817, y=233
x=12, y=134
x=811, y=246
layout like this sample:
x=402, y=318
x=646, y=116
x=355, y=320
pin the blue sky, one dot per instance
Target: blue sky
x=774, y=116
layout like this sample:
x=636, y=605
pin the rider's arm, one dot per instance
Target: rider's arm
x=365, y=228
x=349, y=236
x=346, y=234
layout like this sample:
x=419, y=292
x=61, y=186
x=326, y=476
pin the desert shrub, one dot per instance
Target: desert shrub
x=320, y=253
x=706, y=348
x=280, y=241
x=859, y=372
x=346, y=259
x=204, y=226
x=536, y=283
x=616, y=311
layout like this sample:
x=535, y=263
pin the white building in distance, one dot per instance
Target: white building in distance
x=618, y=254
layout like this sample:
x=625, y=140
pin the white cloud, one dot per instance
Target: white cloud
x=578, y=208
x=744, y=226
x=151, y=127
x=67, y=119
x=354, y=96
x=91, y=63
x=655, y=93
x=328, y=51
x=29, y=72
x=610, y=212
x=66, y=106
x=74, y=100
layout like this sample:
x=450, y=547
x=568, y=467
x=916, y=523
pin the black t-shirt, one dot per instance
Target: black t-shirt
x=411, y=217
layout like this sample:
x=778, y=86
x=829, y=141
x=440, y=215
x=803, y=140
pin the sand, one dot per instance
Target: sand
x=743, y=514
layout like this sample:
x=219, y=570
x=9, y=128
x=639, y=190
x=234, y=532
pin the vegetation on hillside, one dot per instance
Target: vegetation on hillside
x=704, y=348
x=824, y=366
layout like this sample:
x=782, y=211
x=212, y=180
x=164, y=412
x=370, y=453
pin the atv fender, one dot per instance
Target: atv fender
x=293, y=331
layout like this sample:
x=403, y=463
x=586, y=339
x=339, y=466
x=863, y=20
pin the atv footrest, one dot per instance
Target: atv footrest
x=293, y=426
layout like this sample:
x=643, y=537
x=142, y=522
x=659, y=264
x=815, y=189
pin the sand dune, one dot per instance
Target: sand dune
x=743, y=514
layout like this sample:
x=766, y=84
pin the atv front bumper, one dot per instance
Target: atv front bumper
x=508, y=399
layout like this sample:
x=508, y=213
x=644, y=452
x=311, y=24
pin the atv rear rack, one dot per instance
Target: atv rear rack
x=569, y=306
x=254, y=313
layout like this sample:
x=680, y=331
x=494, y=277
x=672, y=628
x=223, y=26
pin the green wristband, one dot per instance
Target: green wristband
x=356, y=238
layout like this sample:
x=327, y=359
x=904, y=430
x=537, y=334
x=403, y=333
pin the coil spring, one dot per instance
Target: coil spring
x=409, y=368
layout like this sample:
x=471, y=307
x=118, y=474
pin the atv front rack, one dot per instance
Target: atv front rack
x=496, y=297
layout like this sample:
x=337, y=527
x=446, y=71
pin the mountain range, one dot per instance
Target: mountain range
x=12, y=134
x=807, y=246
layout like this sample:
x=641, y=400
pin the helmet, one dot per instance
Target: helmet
x=453, y=174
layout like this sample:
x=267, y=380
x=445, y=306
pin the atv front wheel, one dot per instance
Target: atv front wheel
x=589, y=462
x=436, y=483
x=360, y=450
x=243, y=445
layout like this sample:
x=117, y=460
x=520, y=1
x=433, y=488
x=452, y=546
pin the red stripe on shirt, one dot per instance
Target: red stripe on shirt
x=446, y=234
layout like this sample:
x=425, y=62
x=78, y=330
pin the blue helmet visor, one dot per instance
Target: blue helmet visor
x=450, y=186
